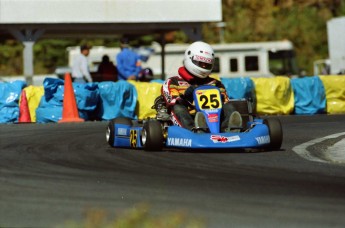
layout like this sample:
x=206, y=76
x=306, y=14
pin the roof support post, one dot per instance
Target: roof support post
x=163, y=55
x=28, y=38
x=28, y=58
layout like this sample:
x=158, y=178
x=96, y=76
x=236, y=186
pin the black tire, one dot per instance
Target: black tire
x=110, y=133
x=276, y=133
x=152, y=136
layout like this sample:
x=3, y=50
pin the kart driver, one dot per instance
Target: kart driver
x=178, y=91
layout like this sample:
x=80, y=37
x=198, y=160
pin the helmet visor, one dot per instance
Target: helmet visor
x=205, y=63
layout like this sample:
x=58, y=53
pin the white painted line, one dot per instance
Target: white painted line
x=334, y=154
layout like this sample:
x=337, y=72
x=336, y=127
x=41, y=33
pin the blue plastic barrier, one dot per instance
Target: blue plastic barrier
x=158, y=81
x=51, y=105
x=309, y=95
x=9, y=99
x=117, y=99
x=238, y=88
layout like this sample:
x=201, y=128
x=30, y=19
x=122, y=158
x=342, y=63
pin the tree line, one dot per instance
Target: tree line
x=301, y=21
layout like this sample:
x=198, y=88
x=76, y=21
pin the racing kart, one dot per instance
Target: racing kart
x=152, y=134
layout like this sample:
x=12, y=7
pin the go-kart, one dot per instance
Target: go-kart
x=153, y=134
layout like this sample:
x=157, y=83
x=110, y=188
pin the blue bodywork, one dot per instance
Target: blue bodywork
x=178, y=137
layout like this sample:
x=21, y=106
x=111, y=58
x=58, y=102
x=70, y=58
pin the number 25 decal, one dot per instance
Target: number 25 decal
x=209, y=99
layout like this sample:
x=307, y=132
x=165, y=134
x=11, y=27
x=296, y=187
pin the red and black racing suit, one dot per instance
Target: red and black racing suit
x=178, y=94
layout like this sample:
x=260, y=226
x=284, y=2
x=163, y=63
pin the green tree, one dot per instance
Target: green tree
x=302, y=22
x=10, y=58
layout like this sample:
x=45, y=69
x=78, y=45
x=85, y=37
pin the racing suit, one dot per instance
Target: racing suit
x=178, y=95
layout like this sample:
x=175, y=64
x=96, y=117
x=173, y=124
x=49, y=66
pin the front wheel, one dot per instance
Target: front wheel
x=276, y=133
x=110, y=133
x=152, y=135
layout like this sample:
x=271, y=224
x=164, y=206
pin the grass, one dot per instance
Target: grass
x=138, y=216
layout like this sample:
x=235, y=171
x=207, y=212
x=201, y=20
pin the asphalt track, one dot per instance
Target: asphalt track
x=53, y=173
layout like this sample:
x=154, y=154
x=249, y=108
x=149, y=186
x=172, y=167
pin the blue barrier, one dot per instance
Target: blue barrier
x=117, y=99
x=50, y=107
x=9, y=98
x=238, y=88
x=158, y=81
x=309, y=95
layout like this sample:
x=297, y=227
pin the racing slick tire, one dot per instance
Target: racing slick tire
x=152, y=136
x=111, y=128
x=276, y=133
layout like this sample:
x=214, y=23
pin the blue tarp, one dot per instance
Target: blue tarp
x=51, y=105
x=9, y=98
x=238, y=88
x=158, y=81
x=309, y=95
x=117, y=99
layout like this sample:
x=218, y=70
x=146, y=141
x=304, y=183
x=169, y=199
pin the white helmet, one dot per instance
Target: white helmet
x=199, y=59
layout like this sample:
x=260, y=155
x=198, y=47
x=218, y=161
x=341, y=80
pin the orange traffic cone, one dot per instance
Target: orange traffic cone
x=24, y=112
x=70, y=110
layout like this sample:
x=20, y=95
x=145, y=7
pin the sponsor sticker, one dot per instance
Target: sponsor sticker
x=122, y=131
x=167, y=96
x=202, y=59
x=175, y=122
x=223, y=139
x=179, y=142
x=212, y=118
x=263, y=139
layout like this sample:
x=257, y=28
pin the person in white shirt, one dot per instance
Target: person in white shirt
x=80, y=69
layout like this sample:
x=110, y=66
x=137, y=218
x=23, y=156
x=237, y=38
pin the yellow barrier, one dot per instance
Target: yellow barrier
x=335, y=93
x=33, y=95
x=274, y=95
x=147, y=93
x=215, y=76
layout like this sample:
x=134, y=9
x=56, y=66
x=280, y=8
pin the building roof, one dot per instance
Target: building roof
x=102, y=18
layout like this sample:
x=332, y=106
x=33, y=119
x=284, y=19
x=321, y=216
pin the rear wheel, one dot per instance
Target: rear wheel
x=276, y=133
x=152, y=135
x=110, y=133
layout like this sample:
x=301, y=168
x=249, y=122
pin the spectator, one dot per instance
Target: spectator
x=80, y=69
x=128, y=62
x=145, y=75
x=107, y=71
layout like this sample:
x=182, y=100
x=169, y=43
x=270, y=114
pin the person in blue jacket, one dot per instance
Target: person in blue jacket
x=128, y=62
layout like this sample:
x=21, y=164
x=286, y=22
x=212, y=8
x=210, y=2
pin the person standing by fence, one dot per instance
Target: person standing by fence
x=128, y=62
x=80, y=68
x=107, y=71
